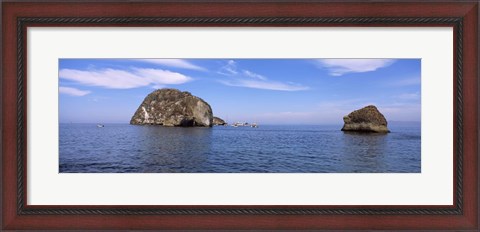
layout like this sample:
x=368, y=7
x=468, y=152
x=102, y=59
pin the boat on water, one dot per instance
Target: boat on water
x=100, y=125
x=237, y=124
x=245, y=124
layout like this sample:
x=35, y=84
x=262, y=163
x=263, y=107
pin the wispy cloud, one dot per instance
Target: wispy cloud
x=270, y=85
x=124, y=79
x=249, y=79
x=229, y=69
x=339, y=67
x=73, y=91
x=254, y=75
x=176, y=63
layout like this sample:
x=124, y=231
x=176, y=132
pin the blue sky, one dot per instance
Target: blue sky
x=267, y=91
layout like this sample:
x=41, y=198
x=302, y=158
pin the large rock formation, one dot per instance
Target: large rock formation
x=171, y=107
x=218, y=121
x=367, y=119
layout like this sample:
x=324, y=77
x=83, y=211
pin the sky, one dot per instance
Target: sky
x=266, y=91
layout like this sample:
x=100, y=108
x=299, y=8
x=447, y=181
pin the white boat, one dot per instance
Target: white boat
x=100, y=125
x=242, y=124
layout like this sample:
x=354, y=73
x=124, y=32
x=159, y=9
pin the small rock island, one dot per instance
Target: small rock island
x=367, y=119
x=172, y=107
x=218, y=121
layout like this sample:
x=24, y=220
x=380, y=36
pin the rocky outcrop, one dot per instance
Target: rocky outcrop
x=367, y=119
x=218, y=121
x=172, y=107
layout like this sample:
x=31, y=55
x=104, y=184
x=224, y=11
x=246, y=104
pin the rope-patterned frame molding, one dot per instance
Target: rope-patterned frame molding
x=22, y=23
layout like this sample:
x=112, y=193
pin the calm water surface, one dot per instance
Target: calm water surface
x=119, y=148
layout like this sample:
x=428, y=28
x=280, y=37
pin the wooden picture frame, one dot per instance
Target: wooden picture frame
x=18, y=16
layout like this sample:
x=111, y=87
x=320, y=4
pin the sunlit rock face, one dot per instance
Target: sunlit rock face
x=172, y=107
x=367, y=119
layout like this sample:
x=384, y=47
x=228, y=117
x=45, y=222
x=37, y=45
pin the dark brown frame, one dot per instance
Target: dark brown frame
x=462, y=16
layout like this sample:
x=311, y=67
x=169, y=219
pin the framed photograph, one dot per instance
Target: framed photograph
x=240, y=115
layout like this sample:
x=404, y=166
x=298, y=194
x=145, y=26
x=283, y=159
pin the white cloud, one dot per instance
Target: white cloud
x=158, y=86
x=176, y=63
x=254, y=75
x=73, y=91
x=246, y=78
x=230, y=69
x=338, y=67
x=270, y=85
x=123, y=79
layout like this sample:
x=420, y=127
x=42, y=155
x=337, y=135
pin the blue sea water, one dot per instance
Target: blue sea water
x=124, y=148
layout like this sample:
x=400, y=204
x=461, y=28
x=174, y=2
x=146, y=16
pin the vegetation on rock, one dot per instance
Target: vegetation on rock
x=172, y=107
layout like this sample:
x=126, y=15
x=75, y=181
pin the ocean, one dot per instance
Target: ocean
x=124, y=148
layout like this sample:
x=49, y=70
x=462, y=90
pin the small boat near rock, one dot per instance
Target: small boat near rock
x=245, y=124
x=237, y=124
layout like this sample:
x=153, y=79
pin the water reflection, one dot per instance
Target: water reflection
x=174, y=149
x=364, y=151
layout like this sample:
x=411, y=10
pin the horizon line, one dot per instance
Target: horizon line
x=273, y=124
